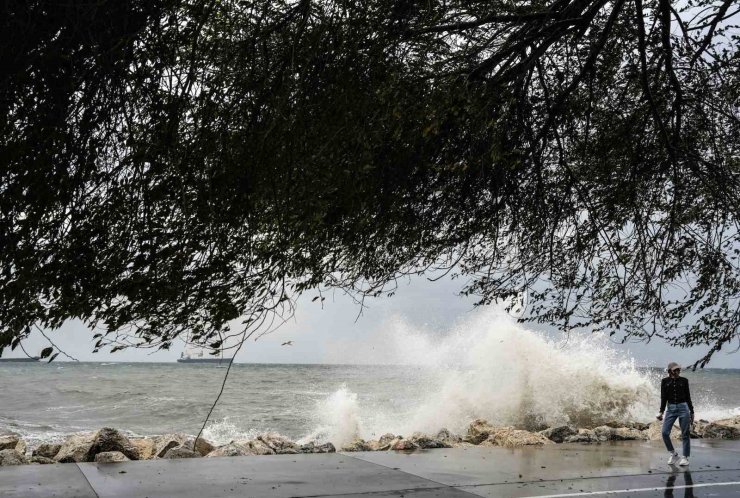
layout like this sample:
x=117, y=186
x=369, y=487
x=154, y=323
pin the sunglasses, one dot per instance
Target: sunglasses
x=676, y=370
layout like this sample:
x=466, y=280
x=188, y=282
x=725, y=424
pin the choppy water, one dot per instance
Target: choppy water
x=490, y=368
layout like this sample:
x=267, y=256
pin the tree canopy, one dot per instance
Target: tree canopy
x=167, y=167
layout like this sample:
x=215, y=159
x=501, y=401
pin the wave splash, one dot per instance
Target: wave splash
x=491, y=367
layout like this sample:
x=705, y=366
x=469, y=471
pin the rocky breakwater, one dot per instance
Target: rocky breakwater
x=110, y=445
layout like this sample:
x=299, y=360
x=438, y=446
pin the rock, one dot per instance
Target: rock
x=640, y=426
x=144, y=448
x=606, y=433
x=583, y=436
x=47, y=450
x=202, y=446
x=447, y=437
x=9, y=442
x=162, y=444
x=479, y=431
x=357, y=445
x=401, y=444
x=279, y=444
x=241, y=448
x=732, y=421
x=108, y=440
x=560, y=433
x=42, y=460
x=258, y=447
x=181, y=452
x=628, y=434
x=714, y=430
x=374, y=445
x=423, y=441
x=653, y=432
x=111, y=457
x=11, y=457
x=386, y=439
x=514, y=438
x=21, y=447
x=75, y=448
x=230, y=450
x=312, y=447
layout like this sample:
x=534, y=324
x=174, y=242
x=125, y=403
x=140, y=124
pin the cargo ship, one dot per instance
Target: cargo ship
x=195, y=355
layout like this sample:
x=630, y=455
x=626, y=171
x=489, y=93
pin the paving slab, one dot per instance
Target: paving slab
x=493, y=465
x=31, y=481
x=250, y=476
x=677, y=482
x=445, y=492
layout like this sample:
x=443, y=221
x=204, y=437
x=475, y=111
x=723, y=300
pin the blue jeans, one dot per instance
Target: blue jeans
x=681, y=412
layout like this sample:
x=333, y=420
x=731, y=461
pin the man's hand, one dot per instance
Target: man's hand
x=692, y=418
x=660, y=416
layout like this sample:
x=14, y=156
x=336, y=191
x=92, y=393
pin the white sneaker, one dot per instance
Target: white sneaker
x=684, y=461
x=673, y=459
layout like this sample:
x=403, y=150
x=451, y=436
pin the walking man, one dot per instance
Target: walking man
x=675, y=400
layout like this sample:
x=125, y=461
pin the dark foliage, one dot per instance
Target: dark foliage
x=170, y=166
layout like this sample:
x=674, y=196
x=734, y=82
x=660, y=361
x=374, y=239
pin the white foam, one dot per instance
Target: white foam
x=224, y=431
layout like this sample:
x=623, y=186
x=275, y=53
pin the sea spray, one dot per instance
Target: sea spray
x=337, y=418
x=491, y=367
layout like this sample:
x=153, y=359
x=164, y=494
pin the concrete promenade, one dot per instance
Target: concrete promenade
x=618, y=469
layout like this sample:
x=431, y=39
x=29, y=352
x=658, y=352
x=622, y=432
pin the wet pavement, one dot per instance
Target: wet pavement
x=626, y=468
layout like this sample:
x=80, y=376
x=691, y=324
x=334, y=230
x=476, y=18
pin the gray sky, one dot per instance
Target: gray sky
x=324, y=335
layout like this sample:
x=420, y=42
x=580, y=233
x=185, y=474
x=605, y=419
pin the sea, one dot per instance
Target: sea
x=496, y=369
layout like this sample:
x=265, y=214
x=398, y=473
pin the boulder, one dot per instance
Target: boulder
x=653, y=432
x=582, y=436
x=279, y=444
x=111, y=457
x=423, y=441
x=513, y=438
x=715, y=430
x=479, y=431
x=312, y=447
x=628, y=434
x=162, y=444
x=75, y=449
x=47, y=450
x=257, y=447
x=448, y=437
x=108, y=440
x=640, y=426
x=42, y=460
x=386, y=439
x=144, y=448
x=230, y=450
x=9, y=442
x=11, y=457
x=21, y=447
x=202, y=446
x=181, y=452
x=732, y=421
x=603, y=433
x=357, y=445
x=401, y=444
x=560, y=433
x=241, y=448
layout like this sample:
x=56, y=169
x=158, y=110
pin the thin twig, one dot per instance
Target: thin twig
x=57, y=347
